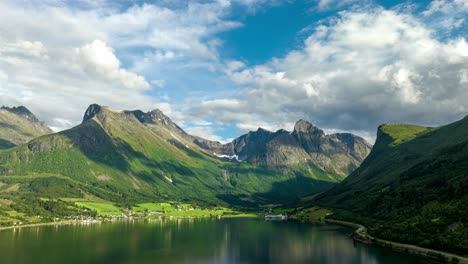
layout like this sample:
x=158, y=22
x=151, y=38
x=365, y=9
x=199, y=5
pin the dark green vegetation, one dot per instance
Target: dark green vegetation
x=123, y=158
x=412, y=188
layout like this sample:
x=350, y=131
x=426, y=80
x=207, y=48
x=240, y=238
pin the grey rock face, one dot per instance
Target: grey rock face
x=339, y=153
x=91, y=112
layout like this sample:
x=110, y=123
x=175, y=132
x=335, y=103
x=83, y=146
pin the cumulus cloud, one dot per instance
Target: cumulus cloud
x=59, y=88
x=98, y=60
x=57, y=57
x=353, y=73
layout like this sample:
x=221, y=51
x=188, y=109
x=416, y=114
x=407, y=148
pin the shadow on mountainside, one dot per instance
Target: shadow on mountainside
x=94, y=142
x=281, y=192
x=5, y=144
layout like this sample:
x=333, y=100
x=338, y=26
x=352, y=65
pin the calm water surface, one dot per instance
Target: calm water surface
x=192, y=241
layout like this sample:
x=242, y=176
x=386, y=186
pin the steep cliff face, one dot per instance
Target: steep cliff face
x=341, y=152
x=18, y=126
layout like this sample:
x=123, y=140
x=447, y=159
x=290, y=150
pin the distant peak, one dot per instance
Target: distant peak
x=156, y=111
x=154, y=116
x=22, y=111
x=92, y=110
x=305, y=126
x=157, y=114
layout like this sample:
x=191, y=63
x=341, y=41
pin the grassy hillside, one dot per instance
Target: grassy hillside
x=114, y=157
x=412, y=187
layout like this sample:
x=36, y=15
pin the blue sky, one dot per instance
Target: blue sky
x=222, y=68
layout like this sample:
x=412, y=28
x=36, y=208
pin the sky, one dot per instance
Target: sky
x=225, y=67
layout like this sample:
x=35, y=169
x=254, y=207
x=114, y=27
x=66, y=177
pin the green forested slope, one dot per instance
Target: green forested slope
x=412, y=188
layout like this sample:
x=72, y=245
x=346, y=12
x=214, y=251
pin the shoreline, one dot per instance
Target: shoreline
x=68, y=222
x=360, y=234
x=85, y=222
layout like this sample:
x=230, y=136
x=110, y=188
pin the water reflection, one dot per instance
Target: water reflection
x=191, y=241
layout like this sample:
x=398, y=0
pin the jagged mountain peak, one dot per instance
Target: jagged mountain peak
x=153, y=116
x=92, y=110
x=156, y=116
x=304, y=126
x=21, y=111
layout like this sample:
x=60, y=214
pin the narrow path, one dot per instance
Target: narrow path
x=361, y=232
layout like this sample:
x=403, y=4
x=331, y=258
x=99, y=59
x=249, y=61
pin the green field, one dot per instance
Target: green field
x=175, y=209
x=101, y=208
x=153, y=207
x=198, y=213
x=401, y=133
x=186, y=210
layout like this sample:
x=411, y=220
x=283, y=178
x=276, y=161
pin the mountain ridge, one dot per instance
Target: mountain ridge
x=18, y=125
x=262, y=147
x=125, y=156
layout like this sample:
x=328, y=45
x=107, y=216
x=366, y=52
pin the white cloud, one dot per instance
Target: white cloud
x=446, y=6
x=158, y=83
x=325, y=5
x=26, y=48
x=97, y=59
x=354, y=73
x=447, y=14
x=57, y=57
x=205, y=132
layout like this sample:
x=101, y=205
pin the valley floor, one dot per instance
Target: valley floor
x=96, y=211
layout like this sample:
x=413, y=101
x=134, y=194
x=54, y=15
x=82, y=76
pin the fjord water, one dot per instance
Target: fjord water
x=192, y=241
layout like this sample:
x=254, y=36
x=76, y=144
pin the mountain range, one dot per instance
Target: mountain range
x=129, y=156
x=411, y=187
